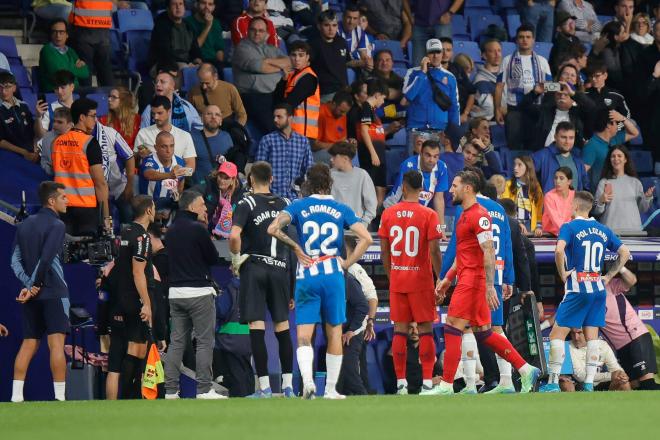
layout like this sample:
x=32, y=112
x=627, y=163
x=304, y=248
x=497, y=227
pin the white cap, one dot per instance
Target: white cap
x=433, y=45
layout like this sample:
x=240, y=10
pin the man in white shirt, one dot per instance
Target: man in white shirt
x=64, y=87
x=519, y=74
x=161, y=110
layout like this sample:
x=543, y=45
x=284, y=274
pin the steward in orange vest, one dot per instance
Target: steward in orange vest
x=91, y=14
x=301, y=91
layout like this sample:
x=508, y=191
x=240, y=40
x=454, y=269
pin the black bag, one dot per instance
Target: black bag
x=239, y=153
x=439, y=97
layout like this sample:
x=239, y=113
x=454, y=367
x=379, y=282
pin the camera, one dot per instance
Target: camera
x=551, y=87
x=96, y=251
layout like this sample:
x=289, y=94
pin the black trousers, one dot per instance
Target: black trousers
x=516, y=126
x=259, y=109
x=350, y=382
x=93, y=47
x=236, y=372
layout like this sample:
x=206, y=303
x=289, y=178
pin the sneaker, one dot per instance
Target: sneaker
x=288, y=393
x=550, y=388
x=333, y=395
x=588, y=387
x=502, y=389
x=437, y=390
x=261, y=394
x=468, y=390
x=17, y=399
x=402, y=390
x=309, y=393
x=529, y=380
x=172, y=396
x=211, y=395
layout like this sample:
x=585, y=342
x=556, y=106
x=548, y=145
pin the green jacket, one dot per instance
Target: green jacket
x=51, y=60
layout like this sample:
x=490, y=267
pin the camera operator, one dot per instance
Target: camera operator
x=45, y=297
x=77, y=161
x=192, y=291
x=134, y=275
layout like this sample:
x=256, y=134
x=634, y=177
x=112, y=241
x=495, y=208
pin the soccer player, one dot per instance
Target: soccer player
x=409, y=233
x=504, y=278
x=320, y=287
x=263, y=266
x=579, y=257
x=475, y=291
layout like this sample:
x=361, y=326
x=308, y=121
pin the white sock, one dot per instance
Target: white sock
x=333, y=366
x=505, y=369
x=305, y=357
x=402, y=382
x=428, y=383
x=264, y=383
x=469, y=359
x=59, y=388
x=17, y=391
x=287, y=380
x=592, y=361
x=557, y=353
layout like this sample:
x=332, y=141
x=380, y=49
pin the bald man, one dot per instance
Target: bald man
x=211, y=143
x=220, y=93
x=162, y=173
x=183, y=116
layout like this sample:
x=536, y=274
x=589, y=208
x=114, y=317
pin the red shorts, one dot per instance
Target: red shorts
x=469, y=301
x=416, y=306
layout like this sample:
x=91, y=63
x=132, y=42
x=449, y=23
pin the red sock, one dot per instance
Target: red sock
x=501, y=345
x=453, y=338
x=400, y=354
x=427, y=355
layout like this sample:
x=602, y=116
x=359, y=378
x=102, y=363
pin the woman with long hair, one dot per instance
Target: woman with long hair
x=607, y=48
x=558, y=202
x=122, y=114
x=525, y=191
x=570, y=74
x=620, y=197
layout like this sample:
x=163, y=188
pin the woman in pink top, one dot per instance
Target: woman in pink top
x=558, y=203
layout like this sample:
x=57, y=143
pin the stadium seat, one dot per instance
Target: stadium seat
x=505, y=4
x=480, y=21
x=395, y=47
x=477, y=6
x=34, y=74
x=512, y=24
x=394, y=156
x=8, y=48
x=508, y=48
x=643, y=161
x=459, y=28
x=117, y=50
x=400, y=139
x=639, y=140
x=543, y=49
x=454, y=162
x=188, y=78
x=605, y=19
x=498, y=136
x=469, y=48
x=102, y=100
x=138, y=50
x=228, y=74
x=505, y=158
x=134, y=20
x=21, y=75
x=401, y=71
x=30, y=98
x=350, y=74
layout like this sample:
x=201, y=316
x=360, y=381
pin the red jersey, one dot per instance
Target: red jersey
x=472, y=229
x=409, y=226
x=239, y=30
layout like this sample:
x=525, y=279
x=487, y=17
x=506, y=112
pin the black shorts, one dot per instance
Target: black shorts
x=118, y=344
x=135, y=329
x=638, y=357
x=47, y=316
x=81, y=221
x=378, y=174
x=263, y=285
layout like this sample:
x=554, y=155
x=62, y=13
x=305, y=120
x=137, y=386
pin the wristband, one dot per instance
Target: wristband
x=451, y=275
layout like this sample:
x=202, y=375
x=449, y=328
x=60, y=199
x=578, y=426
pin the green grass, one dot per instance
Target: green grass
x=535, y=416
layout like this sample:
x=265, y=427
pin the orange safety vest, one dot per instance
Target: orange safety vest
x=71, y=168
x=91, y=14
x=306, y=115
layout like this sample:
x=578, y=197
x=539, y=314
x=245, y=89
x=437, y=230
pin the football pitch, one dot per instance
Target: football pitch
x=605, y=415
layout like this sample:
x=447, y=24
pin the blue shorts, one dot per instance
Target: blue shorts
x=321, y=298
x=497, y=315
x=47, y=316
x=579, y=310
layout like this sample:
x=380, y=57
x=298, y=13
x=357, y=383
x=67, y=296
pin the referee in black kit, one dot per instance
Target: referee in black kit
x=264, y=267
x=45, y=297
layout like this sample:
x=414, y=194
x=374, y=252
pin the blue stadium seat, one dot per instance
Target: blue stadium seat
x=605, y=19
x=643, y=161
x=477, y=5
x=228, y=74
x=401, y=71
x=639, y=140
x=543, y=49
x=505, y=4
x=459, y=28
x=454, y=162
x=138, y=50
x=400, y=139
x=469, y=48
x=394, y=156
x=188, y=78
x=512, y=24
x=498, y=136
x=505, y=158
x=479, y=22
x=30, y=98
x=350, y=74
x=117, y=50
x=508, y=48
x=102, y=100
x=21, y=75
x=8, y=48
x=134, y=20
x=34, y=74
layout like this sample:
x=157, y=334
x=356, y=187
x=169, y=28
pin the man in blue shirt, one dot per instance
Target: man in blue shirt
x=210, y=143
x=356, y=39
x=162, y=173
x=579, y=256
x=45, y=297
x=436, y=180
x=320, y=287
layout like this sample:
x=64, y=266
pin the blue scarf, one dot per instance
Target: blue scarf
x=515, y=72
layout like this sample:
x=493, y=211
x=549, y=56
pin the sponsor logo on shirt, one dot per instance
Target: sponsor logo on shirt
x=425, y=196
x=585, y=277
x=484, y=223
